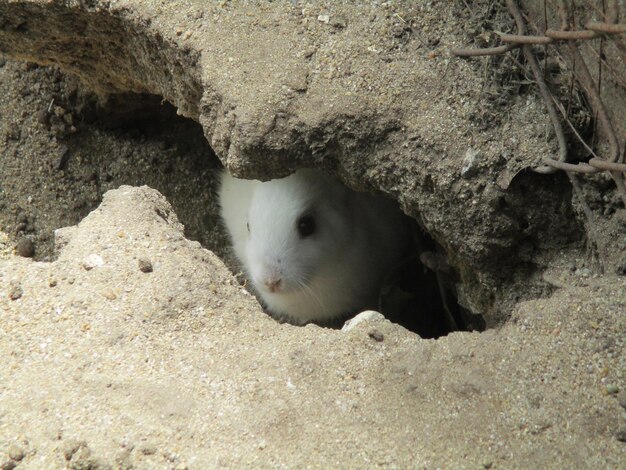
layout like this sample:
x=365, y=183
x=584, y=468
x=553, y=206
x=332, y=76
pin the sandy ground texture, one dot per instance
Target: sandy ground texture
x=369, y=91
x=136, y=348
x=129, y=346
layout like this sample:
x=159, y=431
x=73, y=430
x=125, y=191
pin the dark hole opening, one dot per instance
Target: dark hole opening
x=139, y=139
x=166, y=152
x=79, y=148
x=425, y=285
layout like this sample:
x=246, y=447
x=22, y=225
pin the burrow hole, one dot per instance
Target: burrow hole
x=140, y=140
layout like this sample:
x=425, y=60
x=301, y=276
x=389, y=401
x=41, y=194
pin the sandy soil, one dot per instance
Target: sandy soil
x=179, y=368
x=369, y=92
x=126, y=345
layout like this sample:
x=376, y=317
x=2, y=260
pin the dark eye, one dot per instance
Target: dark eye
x=306, y=226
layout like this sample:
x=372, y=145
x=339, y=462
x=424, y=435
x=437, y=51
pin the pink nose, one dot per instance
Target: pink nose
x=272, y=284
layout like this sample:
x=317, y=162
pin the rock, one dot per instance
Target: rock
x=16, y=453
x=147, y=449
x=92, y=261
x=323, y=19
x=470, y=162
x=63, y=157
x=109, y=294
x=43, y=116
x=20, y=227
x=620, y=269
x=25, y=247
x=15, y=291
x=366, y=316
x=8, y=465
x=145, y=265
x=83, y=460
x=71, y=446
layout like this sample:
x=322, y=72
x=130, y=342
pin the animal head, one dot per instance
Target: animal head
x=296, y=226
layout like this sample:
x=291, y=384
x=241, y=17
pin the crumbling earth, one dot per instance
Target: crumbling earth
x=125, y=344
x=110, y=366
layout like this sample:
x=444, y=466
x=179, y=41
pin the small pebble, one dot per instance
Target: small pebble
x=15, y=292
x=145, y=265
x=13, y=133
x=109, y=294
x=470, y=162
x=621, y=399
x=20, y=227
x=63, y=157
x=93, y=261
x=612, y=389
x=621, y=434
x=368, y=315
x=52, y=283
x=338, y=22
x=70, y=446
x=8, y=465
x=42, y=116
x=25, y=247
x=82, y=460
x=148, y=449
x=16, y=452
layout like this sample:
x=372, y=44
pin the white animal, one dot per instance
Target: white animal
x=313, y=249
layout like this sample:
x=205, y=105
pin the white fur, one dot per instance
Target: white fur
x=339, y=269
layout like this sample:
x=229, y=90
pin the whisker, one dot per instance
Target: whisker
x=311, y=293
